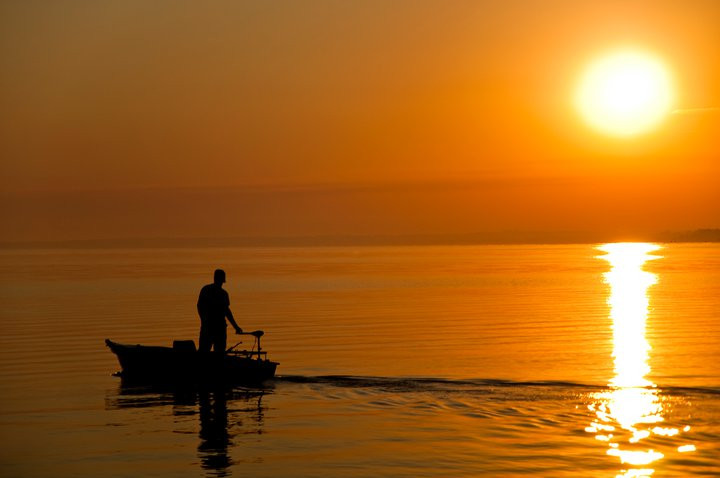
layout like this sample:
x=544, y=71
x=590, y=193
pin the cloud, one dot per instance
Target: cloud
x=696, y=111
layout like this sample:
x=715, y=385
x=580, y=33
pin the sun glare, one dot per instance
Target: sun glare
x=625, y=93
x=629, y=417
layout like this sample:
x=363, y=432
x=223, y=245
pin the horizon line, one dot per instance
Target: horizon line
x=703, y=235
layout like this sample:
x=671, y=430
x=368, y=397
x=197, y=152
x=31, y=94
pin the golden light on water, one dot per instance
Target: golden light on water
x=629, y=304
x=632, y=410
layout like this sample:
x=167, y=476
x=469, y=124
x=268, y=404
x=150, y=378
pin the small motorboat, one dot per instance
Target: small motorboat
x=184, y=364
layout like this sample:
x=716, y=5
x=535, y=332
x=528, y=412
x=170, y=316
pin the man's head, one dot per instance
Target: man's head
x=219, y=276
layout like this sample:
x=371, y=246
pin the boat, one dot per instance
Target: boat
x=184, y=364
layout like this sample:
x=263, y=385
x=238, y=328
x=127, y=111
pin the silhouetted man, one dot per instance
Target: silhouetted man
x=213, y=306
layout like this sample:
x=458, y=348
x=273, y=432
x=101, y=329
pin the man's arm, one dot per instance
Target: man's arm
x=230, y=317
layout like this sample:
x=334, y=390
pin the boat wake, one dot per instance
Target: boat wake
x=410, y=384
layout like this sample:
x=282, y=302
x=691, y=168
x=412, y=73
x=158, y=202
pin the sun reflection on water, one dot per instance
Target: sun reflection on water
x=632, y=410
x=629, y=304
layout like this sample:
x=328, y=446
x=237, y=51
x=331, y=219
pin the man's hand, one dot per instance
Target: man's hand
x=238, y=330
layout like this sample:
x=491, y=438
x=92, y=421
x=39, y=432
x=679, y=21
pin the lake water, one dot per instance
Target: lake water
x=394, y=361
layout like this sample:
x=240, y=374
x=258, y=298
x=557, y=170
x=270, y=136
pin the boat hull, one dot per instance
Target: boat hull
x=154, y=364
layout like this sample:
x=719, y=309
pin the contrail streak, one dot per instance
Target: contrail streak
x=696, y=111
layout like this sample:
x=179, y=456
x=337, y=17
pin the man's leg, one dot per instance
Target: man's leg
x=220, y=341
x=205, y=340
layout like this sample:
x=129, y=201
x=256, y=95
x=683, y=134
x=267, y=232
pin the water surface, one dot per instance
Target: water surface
x=397, y=361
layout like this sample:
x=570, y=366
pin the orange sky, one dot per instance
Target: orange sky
x=204, y=119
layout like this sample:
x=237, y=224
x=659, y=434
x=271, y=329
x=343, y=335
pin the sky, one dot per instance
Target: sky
x=167, y=119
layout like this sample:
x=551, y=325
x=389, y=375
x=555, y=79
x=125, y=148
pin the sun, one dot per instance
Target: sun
x=625, y=93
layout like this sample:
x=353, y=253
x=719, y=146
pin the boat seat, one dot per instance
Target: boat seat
x=184, y=345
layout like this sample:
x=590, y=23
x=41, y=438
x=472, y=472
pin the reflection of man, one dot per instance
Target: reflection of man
x=213, y=306
x=214, y=434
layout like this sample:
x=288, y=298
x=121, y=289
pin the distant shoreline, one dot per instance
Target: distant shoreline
x=698, y=236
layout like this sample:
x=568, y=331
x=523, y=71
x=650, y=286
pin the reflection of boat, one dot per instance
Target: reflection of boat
x=225, y=416
x=182, y=363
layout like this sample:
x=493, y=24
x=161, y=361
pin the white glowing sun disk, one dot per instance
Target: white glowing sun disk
x=625, y=93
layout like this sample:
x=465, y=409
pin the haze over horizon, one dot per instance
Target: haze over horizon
x=247, y=119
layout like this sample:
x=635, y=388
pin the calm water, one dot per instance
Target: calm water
x=402, y=361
